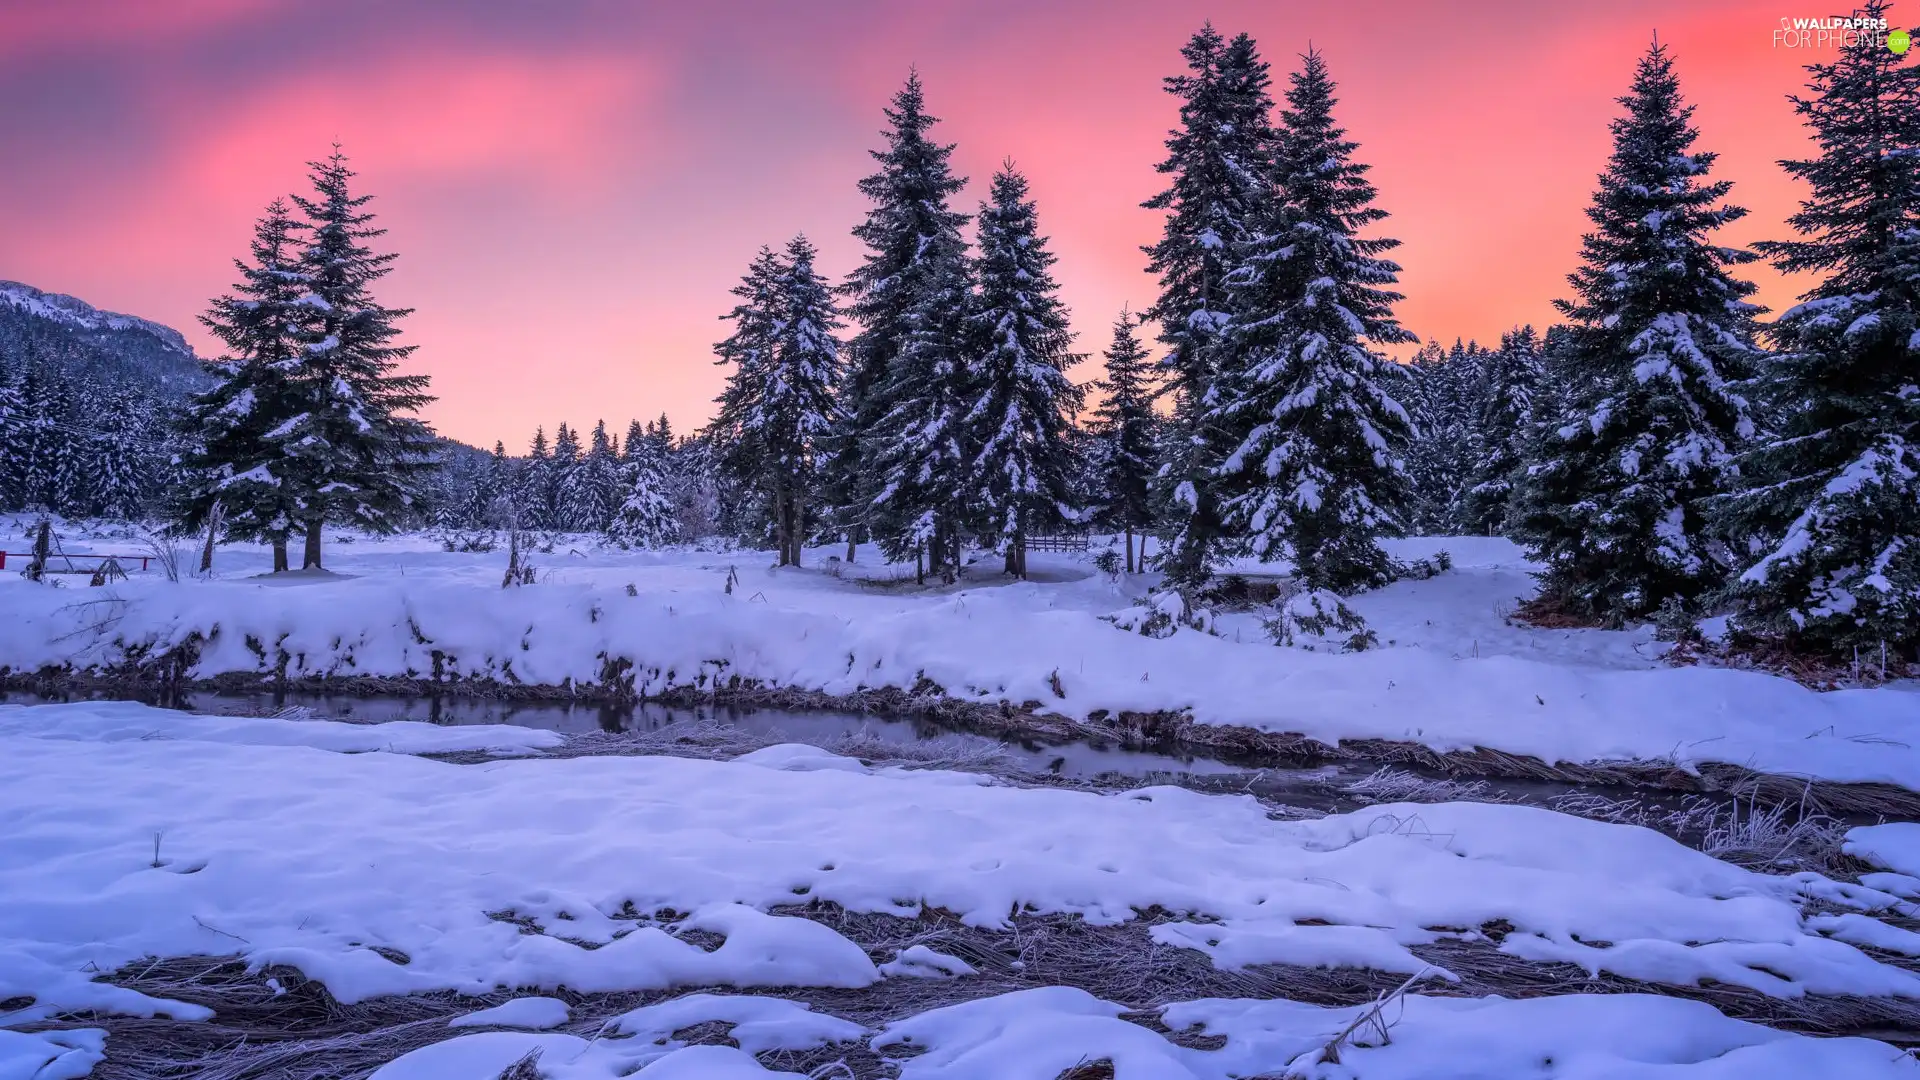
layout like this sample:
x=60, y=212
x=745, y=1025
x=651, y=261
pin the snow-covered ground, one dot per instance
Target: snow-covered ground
x=1452, y=673
x=126, y=833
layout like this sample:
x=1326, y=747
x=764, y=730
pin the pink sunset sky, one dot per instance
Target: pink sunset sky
x=573, y=186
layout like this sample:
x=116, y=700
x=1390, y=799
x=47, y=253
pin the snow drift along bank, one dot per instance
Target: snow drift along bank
x=986, y=646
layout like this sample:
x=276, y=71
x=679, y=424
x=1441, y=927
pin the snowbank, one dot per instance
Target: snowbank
x=1044, y=1034
x=332, y=863
x=989, y=645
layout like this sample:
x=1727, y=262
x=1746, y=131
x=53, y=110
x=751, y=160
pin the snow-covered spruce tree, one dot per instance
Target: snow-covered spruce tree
x=778, y=409
x=913, y=248
x=1616, y=509
x=1497, y=441
x=1444, y=393
x=1834, y=503
x=534, y=490
x=636, y=434
x=1429, y=459
x=227, y=455
x=46, y=455
x=1317, y=473
x=352, y=454
x=122, y=453
x=749, y=348
x=592, y=489
x=560, y=467
x=703, y=499
x=920, y=449
x=14, y=430
x=66, y=445
x=645, y=517
x=491, y=483
x=1464, y=384
x=1126, y=433
x=661, y=433
x=1218, y=163
x=1023, y=471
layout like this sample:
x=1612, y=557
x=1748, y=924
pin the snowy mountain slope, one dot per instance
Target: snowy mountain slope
x=80, y=339
x=77, y=313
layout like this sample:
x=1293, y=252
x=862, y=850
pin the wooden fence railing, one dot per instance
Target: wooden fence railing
x=62, y=563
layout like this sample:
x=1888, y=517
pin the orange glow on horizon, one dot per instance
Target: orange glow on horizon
x=572, y=192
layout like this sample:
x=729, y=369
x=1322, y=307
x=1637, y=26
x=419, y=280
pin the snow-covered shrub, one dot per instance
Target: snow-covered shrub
x=1422, y=569
x=1674, y=621
x=1161, y=614
x=470, y=542
x=1317, y=613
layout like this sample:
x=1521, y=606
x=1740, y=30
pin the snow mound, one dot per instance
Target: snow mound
x=1895, y=846
x=1583, y=1036
x=50, y=1055
x=758, y=1024
x=531, y=1013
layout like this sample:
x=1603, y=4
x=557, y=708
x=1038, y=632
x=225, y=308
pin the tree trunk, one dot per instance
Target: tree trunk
x=280, y=553
x=782, y=534
x=797, y=530
x=920, y=565
x=206, y=554
x=1012, y=563
x=311, y=558
x=853, y=541
x=1129, y=549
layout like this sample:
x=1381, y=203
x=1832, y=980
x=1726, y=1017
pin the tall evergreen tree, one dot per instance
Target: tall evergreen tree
x=603, y=456
x=704, y=500
x=535, y=491
x=354, y=455
x=592, y=490
x=1218, y=161
x=45, y=443
x=566, y=453
x=1318, y=471
x=491, y=483
x=1023, y=469
x=1444, y=394
x=645, y=516
x=122, y=451
x=62, y=473
x=914, y=259
x=749, y=348
x=1126, y=431
x=661, y=432
x=14, y=436
x=920, y=448
x=1497, y=442
x=1661, y=331
x=1429, y=458
x=778, y=410
x=228, y=455
x=1834, y=506
x=636, y=434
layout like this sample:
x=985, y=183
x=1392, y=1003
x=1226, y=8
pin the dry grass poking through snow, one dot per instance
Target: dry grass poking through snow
x=277, y=1025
